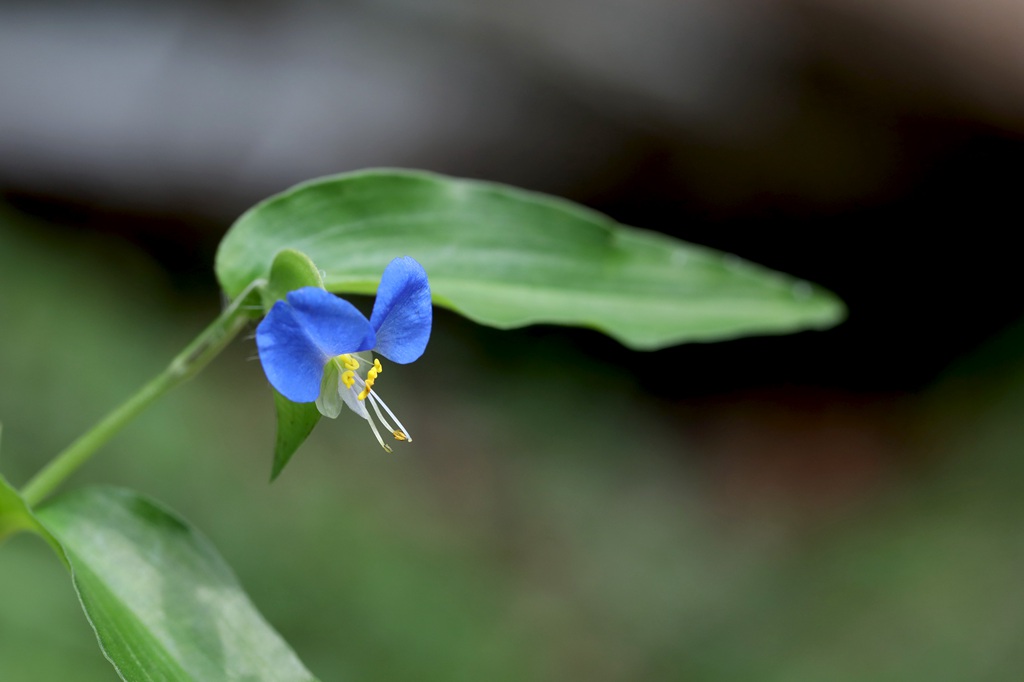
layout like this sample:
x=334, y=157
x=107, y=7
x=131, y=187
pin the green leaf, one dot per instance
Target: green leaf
x=507, y=258
x=163, y=603
x=295, y=421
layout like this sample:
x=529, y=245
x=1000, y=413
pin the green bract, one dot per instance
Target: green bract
x=507, y=258
x=290, y=270
x=15, y=515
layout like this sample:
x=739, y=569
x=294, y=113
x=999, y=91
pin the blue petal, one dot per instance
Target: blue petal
x=298, y=337
x=402, y=313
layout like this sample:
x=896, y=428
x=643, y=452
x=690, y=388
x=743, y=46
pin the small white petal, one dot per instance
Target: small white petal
x=329, y=401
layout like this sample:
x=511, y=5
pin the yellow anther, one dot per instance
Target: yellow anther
x=348, y=377
x=371, y=376
x=399, y=435
x=349, y=361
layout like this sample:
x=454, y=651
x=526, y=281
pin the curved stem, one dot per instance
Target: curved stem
x=210, y=342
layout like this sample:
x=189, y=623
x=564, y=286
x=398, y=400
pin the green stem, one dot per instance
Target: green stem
x=210, y=342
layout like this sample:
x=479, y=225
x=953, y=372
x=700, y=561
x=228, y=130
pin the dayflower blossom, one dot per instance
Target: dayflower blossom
x=312, y=344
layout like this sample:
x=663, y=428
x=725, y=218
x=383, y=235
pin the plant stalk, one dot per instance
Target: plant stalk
x=210, y=342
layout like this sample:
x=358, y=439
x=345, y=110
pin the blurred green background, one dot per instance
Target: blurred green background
x=551, y=521
x=844, y=505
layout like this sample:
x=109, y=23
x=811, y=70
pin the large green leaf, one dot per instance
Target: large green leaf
x=163, y=603
x=506, y=258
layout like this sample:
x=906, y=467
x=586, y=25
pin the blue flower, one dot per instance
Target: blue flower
x=309, y=344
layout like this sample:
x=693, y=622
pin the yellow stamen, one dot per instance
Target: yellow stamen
x=371, y=377
x=348, y=377
x=349, y=361
x=399, y=433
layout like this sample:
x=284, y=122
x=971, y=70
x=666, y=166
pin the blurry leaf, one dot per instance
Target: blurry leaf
x=163, y=603
x=507, y=258
x=295, y=421
x=290, y=270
